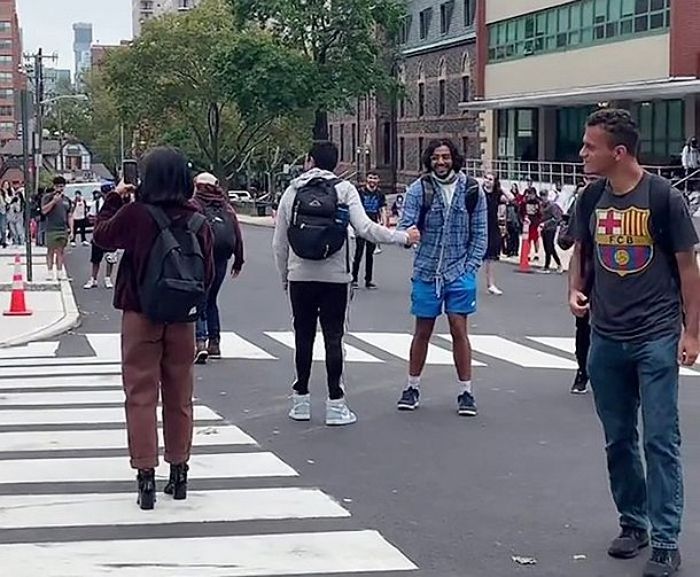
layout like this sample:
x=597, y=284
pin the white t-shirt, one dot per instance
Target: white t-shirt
x=80, y=211
x=449, y=190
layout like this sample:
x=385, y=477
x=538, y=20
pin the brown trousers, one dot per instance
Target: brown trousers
x=154, y=357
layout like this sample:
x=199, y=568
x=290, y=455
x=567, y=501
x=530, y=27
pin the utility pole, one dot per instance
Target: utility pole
x=24, y=103
x=38, y=114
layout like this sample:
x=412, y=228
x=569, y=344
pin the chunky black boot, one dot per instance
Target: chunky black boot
x=177, y=485
x=147, y=489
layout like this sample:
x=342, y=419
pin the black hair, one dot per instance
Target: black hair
x=77, y=192
x=372, y=173
x=58, y=180
x=457, y=158
x=165, y=177
x=325, y=155
x=620, y=127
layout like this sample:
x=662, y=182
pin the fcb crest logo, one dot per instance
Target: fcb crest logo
x=623, y=240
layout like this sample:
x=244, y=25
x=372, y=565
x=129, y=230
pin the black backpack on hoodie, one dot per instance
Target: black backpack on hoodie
x=318, y=226
x=173, y=289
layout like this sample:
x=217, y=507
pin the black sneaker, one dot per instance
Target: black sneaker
x=410, y=399
x=629, y=543
x=580, y=386
x=371, y=286
x=663, y=563
x=467, y=406
x=354, y=284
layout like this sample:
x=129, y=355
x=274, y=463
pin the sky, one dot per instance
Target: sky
x=49, y=24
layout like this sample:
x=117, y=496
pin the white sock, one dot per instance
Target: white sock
x=465, y=386
x=414, y=382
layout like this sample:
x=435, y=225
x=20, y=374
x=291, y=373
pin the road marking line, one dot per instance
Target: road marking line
x=238, y=556
x=83, y=416
x=17, y=441
x=31, y=350
x=62, y=398
x=69, y=369
x=104, y=469
x=517, y=354
x=399, y=345
x=568, y=345
x=99, y=509
x=352, y=354
x=50, y=382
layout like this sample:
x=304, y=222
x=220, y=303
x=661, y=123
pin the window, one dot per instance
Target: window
x=402, y=153
x=465, y=88
x=446, y=11
x=661, y=125
x=405, y=30
x=420, y=153
x=6, y=93
x=386, y=143
x=353, y=152
x=442, y=104
x=466, y=74
x=147, y=5
x=402, y=107
x=421, y=99
x=469, y=12
x=5, y=60
x=7, y=127
x=5, y=45
x=426, y=17
x=5, y=77
x=331, y=135
x=342, y=143
x=6, y=110
x=5, y=26
x=465, y=146
x=576, y=24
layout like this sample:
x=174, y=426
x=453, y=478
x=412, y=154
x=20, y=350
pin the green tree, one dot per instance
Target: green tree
x=350, y=43
x=194, y=80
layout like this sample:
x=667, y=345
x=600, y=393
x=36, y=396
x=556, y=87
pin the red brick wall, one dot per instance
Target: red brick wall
x=685, y=38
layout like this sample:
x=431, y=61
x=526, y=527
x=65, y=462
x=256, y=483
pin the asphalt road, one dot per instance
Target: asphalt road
x=459, y=497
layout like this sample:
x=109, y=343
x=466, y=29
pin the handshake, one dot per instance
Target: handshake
x=413, y=236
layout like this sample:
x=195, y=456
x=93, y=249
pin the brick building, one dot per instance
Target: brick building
x=12, y=80
x=437, y=72
x=544, y=65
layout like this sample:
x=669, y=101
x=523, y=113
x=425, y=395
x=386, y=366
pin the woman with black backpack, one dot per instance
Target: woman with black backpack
x=228, y=242
x=165, y=272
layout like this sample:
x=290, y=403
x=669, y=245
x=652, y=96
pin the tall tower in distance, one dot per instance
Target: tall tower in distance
x=82, y=40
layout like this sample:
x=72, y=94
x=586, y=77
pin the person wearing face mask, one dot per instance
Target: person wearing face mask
x=495, y=199
x=449, y=208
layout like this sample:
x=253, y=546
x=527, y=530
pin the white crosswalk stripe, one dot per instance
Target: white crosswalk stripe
x=352, y=354
x=32, y=399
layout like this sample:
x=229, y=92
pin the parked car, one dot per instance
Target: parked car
x=239, y=196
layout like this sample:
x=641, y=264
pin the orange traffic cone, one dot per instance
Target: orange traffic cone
x=525, y=248
x=18, y=306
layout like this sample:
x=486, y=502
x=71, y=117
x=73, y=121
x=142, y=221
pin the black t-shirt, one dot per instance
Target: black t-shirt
x=373, y=202
x=635, y=296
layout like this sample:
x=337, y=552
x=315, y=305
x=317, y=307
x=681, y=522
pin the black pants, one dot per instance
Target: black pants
x=513, y=239
x=79, y=227
x=328, y=302
x=583, y=342
x=360, y=244
x=550, y=250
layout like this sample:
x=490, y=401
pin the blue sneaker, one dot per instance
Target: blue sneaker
x=467, y=406
x=409, y=399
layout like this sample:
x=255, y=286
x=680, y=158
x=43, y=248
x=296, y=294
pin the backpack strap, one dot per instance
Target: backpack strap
x=660, y=207
x=585, y=206
x=472, y=200
x=196, y=222
x=162, y=219
x=428, y=195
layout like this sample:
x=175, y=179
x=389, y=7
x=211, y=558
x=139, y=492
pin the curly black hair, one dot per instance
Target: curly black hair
x=457, y=158
x=619, y=125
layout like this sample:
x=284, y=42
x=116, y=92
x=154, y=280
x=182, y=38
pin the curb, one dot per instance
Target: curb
x=260, y=222
x=69, y=320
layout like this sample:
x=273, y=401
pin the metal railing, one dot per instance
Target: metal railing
x=564, y=173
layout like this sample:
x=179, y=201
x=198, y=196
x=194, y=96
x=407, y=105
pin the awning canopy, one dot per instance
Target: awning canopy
x=647, y=90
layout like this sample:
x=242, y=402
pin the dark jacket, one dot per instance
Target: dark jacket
x=204, y=199
x=129, y=226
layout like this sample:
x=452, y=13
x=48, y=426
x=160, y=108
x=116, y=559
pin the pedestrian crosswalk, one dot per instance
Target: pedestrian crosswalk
x=68, y=434
x=363, y=347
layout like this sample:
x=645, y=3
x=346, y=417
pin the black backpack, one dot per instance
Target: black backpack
x=318, y=229
x=660, y=221
x=173, y=289
x=428, y=188
x=223, y=230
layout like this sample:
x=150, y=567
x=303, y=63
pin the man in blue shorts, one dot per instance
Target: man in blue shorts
x=449, y=208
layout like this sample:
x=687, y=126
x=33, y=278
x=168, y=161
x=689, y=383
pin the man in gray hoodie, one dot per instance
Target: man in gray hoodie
x=319, y=289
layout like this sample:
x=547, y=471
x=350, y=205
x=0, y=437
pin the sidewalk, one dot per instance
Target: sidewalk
x=53, y=304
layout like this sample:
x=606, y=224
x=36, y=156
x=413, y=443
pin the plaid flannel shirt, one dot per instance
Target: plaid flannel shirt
x=453, y=242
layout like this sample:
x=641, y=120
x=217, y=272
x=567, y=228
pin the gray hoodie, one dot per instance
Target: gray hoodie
x=334, y=268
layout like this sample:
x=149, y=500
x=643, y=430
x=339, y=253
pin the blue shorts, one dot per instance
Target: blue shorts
x=457, y=298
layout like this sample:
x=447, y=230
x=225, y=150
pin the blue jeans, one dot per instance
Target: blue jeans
x=209, y=324
x=625, y=376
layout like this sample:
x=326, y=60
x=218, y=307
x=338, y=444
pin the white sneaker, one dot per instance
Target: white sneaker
x=108, y=283
x=92, y=283
x=72, y=244
x=50, y=276
x=86, y=243
x=62, y=275
x=338, y=413
x=301, y=408
x=494, y=290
